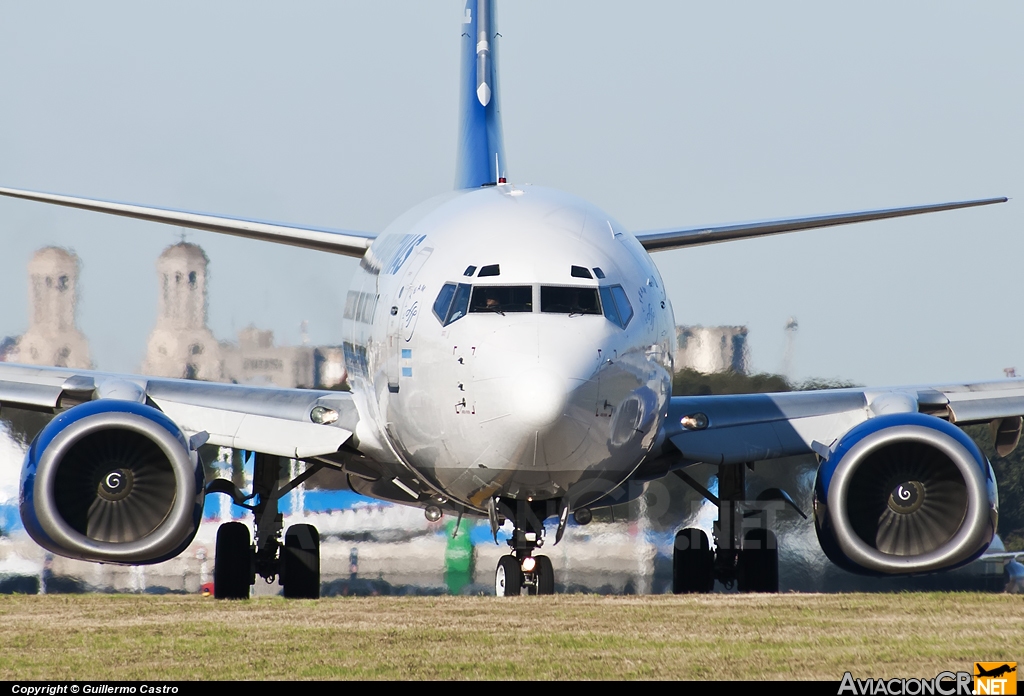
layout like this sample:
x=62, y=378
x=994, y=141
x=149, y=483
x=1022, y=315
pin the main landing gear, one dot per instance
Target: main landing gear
x=522, y=570
x=295, y=564
x=746, y=553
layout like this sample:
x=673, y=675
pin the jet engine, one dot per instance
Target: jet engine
x=112, y=481
x=904, y=493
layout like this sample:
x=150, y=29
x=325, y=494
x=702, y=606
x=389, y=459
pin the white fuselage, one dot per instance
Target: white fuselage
x=524, y=380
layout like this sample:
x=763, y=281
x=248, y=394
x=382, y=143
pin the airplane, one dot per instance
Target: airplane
x=510, y=352
x=995, y=671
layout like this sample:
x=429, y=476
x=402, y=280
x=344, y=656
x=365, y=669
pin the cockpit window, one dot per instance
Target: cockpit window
x=444, y=301
x=460, y=304
x=492, y=270
x=452, y=302
x=579, y=272
x=616, y=305
x=560, y=300
x=502, y=298
x=622, y=304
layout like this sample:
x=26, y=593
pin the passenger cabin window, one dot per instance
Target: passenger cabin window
x=452, y=302
x=492, y=270
x=501, y=298
x=560, y=300
x=616, y=305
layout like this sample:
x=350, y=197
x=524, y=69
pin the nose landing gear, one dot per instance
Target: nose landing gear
x=534, y=574
x=522, y=570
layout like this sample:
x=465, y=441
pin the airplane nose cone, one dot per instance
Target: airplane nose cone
x=538, y=396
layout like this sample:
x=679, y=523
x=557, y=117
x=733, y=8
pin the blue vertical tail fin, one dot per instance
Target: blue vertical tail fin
x=481, y=154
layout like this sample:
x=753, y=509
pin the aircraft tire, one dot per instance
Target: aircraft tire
x=508, y=577
x=300, y=561
x=758, y=567
x=545, y=576
x=232, y=565
x=693, y=562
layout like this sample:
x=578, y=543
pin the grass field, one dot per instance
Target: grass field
x=792, y=636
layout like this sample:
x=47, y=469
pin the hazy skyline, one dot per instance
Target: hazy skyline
x=344, y=114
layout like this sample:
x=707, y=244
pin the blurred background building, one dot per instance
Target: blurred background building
x=711, y=349
x=182, y=345
x=53, y=337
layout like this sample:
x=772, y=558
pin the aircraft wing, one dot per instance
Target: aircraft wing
x=269, y=420
x=344, y=242
x=677, y=237
x=730, y=429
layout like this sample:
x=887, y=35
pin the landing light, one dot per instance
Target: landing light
x=694, y=421
x=322, y=415
x=432, y=513
x=529, y=563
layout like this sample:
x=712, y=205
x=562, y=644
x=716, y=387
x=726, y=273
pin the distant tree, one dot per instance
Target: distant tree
x=1010, y=479
x=23, y=425
x=824, y=383
x=689, y=382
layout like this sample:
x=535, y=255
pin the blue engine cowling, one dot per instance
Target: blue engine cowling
x=904, y=493
x=112, y=481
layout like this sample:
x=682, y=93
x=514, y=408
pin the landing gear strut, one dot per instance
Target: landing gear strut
x=295, y=564
x=746, y=556
x=522, y=570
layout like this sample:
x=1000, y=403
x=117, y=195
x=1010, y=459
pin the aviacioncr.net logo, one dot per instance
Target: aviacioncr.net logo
x=943, y=684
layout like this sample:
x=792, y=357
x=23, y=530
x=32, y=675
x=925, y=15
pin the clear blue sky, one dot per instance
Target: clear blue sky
x=662, y=113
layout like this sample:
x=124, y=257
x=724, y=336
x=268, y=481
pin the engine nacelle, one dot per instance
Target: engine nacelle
x=112, y=481
x=904, y=493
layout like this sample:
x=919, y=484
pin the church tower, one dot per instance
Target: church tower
x=181, y=345
x=53, y=337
